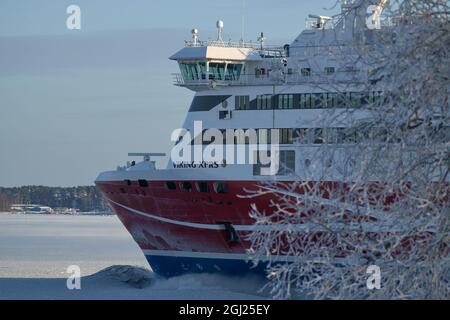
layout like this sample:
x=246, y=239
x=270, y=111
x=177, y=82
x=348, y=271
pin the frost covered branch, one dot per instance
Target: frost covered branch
x=385, y=199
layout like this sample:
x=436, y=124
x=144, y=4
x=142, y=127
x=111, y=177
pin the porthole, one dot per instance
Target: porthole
x=220, y=187
x=143, y=183
x=186, y=186
x=202, y=186
x=170, y=185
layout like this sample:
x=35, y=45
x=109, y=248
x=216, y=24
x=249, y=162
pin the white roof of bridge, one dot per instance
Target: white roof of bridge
x=215, y=53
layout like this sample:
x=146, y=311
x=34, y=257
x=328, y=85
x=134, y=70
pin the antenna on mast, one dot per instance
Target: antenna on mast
x=194, y=33
x=261, y=40
x=219, y=26
x=243, y=21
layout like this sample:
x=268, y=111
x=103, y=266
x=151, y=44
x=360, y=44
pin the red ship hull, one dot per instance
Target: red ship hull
x=182, y=231
x=185, y=231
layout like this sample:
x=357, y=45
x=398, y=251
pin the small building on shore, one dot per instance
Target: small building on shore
x=31, y=209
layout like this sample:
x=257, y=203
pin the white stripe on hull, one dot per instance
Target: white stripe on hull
x=306, y=227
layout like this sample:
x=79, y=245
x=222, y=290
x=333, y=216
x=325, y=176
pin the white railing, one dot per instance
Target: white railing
x=225, y=44
x=273, y=78
x=333, y=22
x=232, y=44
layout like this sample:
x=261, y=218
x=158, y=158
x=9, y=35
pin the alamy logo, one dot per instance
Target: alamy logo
x=73, y=21
x=74, y=279
x=374, y=280
x=210, y=147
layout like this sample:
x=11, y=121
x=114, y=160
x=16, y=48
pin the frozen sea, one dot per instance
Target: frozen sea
x=35, y=251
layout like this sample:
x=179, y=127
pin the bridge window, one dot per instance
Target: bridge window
x=233, y=71
x=189, y=71
x=216, y=71
x=202, y=69
x=220, y=187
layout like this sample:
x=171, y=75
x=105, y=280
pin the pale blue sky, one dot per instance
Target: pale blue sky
x=74, y=103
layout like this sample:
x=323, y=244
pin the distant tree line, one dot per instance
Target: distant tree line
x=84, y=198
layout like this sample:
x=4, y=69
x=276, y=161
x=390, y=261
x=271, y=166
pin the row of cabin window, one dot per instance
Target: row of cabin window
x=308, y=100
x=300, y=135
x=332, y=135
x=287, y=164
x=201, y=186
x=141, y=182
x=305, y=72
x=255, y=136
x=362, y=134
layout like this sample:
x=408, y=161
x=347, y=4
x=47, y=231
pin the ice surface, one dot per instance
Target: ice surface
x=35, y=252
x=129, y=282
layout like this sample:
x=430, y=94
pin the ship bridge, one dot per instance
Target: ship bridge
x=207, y=64
x=326, y=50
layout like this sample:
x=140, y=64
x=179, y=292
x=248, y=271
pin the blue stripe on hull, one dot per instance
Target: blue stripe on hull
x=175, y=266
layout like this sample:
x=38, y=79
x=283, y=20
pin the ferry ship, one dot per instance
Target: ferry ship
x=193, y=216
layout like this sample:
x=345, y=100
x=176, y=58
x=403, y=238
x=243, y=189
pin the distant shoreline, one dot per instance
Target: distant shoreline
x=84, y=199
x=103, y=213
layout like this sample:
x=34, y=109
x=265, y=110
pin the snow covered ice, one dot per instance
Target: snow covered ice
x=35, y=252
